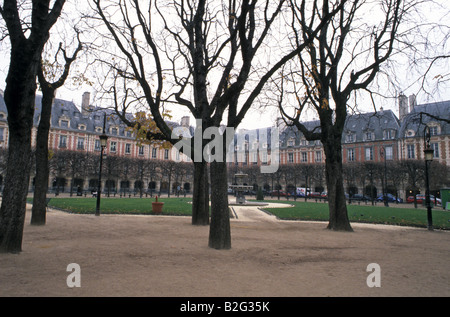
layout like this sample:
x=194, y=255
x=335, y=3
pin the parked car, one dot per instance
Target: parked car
x=390, y=198
x=360, y=197
x=420, y=198
x=314, y=195
x=279, y=192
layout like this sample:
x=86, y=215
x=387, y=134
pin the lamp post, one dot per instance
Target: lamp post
x=428, y=153
x=103, y=140
x=385, y=198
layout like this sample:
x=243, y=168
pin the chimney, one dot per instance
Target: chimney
x=412, y=102
x=403, y=108
x=85, y=103
x=185, y=121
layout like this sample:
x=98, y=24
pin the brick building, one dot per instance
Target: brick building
x=367, y=138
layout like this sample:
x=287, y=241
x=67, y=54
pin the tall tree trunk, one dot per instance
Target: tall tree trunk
x=200, y=199
x=219, y=232
x=38, y=211
x=19, y=99
x=335, y=184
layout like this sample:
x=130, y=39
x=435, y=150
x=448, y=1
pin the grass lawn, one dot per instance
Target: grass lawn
x=365, y=213
x=301, y=210
x=172, y=206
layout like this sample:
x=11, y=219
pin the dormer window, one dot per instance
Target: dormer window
x=410, y=133
x=290, y=142
x=114, y=131
x=369, y=136
x=434, y=130
x=350, y=137
x=389, y=134
x=64, y=123
x=82, y=127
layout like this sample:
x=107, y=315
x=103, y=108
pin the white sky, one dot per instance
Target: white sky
x=266, y=117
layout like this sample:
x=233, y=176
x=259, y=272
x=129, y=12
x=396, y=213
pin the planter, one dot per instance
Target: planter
x=157, y=207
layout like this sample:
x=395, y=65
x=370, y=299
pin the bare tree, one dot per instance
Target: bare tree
x=48, y=88
x=216, y=70
x=28, y=32
x=344, y=57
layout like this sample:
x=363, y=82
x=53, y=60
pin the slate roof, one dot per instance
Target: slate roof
x=375, y=122
x=93, y=119
x=417, y=119
x=358, y=124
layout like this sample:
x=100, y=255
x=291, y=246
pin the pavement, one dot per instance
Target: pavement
x=254, y=212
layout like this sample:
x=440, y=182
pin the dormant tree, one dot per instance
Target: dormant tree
x=28, y=24
x=210, y=55
x=344, y=57
x=51, y=76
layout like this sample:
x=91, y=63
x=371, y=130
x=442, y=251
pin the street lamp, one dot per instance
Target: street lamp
x=428, y=152
x=103, y=141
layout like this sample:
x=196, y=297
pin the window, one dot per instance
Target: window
x=64, y=123
x=290, y=157
x=97, y=146
x=389, y=153
x=304, y=156
x=434, y=130
x=80, y=144
x=291, y=142
x=166, y=154
x=141, y=150
x=318, y=156
x=63, y=141
x=127, y=148
x=389, y=134
x=350, y=155
x=2, y=134
x=264, y=158
x=435, y=147
x=113, y=146
x=368, y=135
x=369, y=154
x=154, y=152
x=255, y=158
x=410, y=149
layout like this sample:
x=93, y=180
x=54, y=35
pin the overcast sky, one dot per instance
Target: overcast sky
x=263, y=118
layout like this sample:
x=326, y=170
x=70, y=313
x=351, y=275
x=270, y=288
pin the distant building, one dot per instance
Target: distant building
x=367, y=137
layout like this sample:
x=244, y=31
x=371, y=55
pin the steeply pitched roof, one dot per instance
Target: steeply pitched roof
x=375, y=122
x=424, y=114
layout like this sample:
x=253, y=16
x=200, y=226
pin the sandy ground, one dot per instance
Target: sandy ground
x=161, y=256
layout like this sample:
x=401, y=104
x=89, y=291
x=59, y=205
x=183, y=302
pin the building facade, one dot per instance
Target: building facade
x=368, y=140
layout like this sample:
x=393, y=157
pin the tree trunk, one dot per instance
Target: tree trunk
x=200, y=198
x=219, y=232
x=38, y=212
x=336, y=194
x=20, y=99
